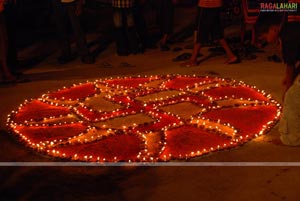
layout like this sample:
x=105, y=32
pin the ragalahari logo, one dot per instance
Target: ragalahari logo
x=278, y=7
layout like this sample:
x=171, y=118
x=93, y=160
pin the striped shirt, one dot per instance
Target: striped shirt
x=210, y=3
x=122, y=3
x=250, y=10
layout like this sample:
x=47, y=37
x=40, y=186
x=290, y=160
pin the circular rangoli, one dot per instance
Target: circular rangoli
x=144, y=118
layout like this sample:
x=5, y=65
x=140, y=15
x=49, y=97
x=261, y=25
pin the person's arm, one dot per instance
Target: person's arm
x=289, y=76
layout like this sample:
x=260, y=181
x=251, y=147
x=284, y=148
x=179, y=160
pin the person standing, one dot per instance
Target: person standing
x=250, y=11
x=289, y=127
x=141, y=25
x=127, y=39
x=285, y=28
x=72, y=10
x=209, y=26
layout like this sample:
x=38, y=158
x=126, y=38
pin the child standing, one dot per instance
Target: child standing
x=209, y=25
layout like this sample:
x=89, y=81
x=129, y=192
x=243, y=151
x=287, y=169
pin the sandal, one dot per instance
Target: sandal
x=126, y=65
x=106, y=65
x=274, y=58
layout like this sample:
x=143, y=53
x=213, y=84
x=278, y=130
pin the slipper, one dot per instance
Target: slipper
x=106, y=65
x=182, y=57
x=126, y=65
x=274, y=58
x=189, y=64
x=212, y=73
x=164, y=48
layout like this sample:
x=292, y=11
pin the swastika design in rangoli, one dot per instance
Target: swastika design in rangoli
x=144, y=118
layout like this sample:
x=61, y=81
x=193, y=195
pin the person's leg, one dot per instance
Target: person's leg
x=243, y=31
x=218, y=34
x=78, y=33
x=10, y=18
x=169, y=18
x=200, y=36
x=253, y=35
x=122, y=49
x=141, y=25
x=193, y=60
x=132, y=33
x=166, y=22
x=5, y=74
x=62, y=32
x=232, y=58
x=289, y=77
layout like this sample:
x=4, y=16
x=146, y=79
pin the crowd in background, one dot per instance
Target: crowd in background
x=131, y=37
x=130, y=29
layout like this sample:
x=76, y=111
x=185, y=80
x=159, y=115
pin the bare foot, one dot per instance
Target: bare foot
x=233, y=60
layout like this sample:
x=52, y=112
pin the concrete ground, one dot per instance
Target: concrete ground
x=149, y=183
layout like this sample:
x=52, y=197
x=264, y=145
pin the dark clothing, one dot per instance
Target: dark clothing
x=127, y=38
x=165, y=16
x=63, y=12
x=208, y=25
x=140, y=24
x=3, y=39
x=10, y=21
x=291, y=43
x=290, y=37
x=123, y=17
